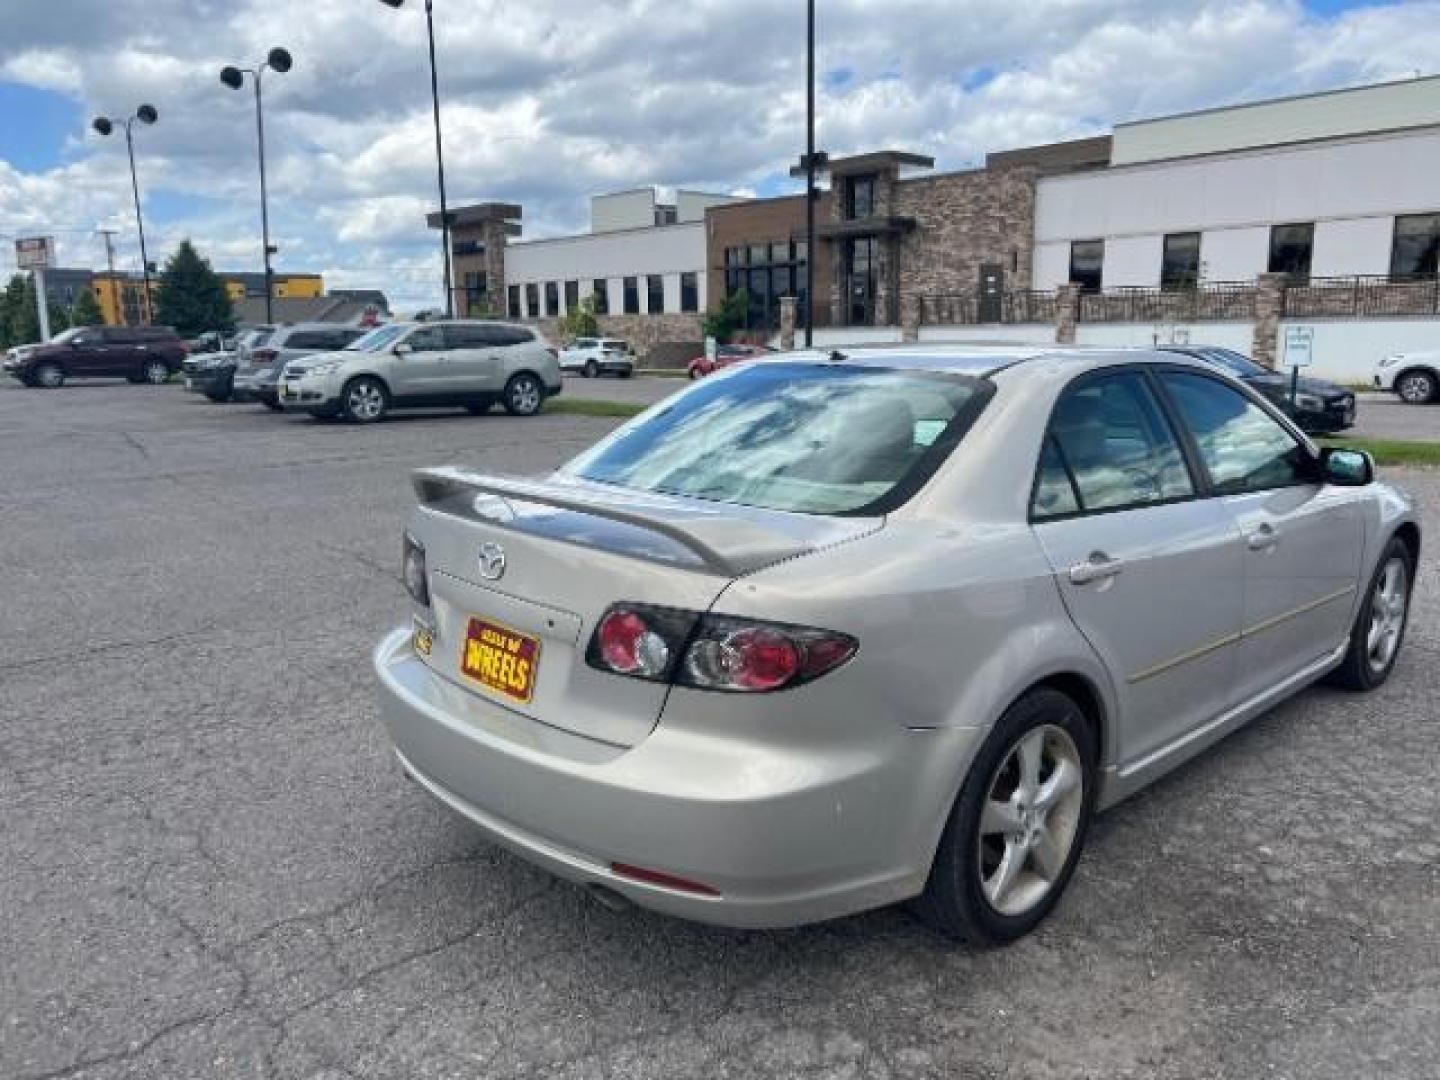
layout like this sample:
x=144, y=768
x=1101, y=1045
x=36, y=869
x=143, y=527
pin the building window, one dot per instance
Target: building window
x=655, y=293
x=1416, y=250
x=859, y=197
x=1180, y=264
x=475, y=290
x=632, y=296
x=1087, y=264
x=689, y=291
x=532, y=300
x=514, y=300
x=860, y=281
x=666, y=215
x=1290, y=249
x=775, y=270
x=572, y=295
x=552, y=299
x=602, y=296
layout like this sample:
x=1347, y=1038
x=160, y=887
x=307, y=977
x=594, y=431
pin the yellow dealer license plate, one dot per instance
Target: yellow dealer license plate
x=500, y=659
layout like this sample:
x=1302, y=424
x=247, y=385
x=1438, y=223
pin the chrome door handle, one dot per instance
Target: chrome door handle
x=1262, y=539
x=1099, y=567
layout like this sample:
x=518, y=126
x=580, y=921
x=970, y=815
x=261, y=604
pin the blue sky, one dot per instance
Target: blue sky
x=552, y=116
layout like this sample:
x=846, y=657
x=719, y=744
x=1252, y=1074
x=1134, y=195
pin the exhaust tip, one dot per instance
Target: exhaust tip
x=608, y=898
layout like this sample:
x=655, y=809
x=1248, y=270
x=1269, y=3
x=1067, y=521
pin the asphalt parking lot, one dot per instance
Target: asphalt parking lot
x=210, y=865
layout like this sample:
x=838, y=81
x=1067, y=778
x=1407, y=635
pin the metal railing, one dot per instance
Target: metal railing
x=1209, y=301
x=968, y=309
x=1363, y=296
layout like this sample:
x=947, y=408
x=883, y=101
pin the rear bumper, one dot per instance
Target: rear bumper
x=786, y=836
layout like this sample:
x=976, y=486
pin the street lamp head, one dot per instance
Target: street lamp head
x=147, y=114
x=232, y=77
x=279, y=60
x=102, y=125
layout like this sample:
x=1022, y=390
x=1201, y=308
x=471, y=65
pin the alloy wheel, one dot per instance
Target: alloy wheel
x=1030, y=819
x=50, y=376
x=523, y=397
x=1417, y=388
x=1388, y=604
x=365, y=401
x=156, y=373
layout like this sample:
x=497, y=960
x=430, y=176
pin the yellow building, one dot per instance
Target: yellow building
x=121, y=295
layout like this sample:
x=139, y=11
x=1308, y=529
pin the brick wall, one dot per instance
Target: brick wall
x=669, y=340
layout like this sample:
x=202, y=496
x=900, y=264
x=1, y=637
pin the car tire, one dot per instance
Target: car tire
x=364, y=400
x=1379, y=628
x=1018, y=824
x=155, y=372
x=1417, y=387
x=221, y=390
x=523, y=395
x=48, y=376
x=591, y=370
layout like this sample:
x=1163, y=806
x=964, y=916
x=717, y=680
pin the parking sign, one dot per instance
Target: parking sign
x=1299, y=346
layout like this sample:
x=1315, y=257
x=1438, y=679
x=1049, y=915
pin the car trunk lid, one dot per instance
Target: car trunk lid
x=522, y=570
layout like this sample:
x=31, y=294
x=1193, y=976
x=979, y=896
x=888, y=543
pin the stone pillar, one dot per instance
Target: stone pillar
x=1067, y=313
x=910, y=318
x=787, y=322
x=1269, y=308
x=494, y=238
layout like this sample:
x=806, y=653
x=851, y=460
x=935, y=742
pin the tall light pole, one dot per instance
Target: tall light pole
x=810, y=174
x=146, y=114
x=439, y=155
x=277, y=60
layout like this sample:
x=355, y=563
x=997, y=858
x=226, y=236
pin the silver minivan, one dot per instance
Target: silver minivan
x=468, y=363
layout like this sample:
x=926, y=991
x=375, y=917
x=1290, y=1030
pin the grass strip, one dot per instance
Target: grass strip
x=1391, y=451
x=593, y=407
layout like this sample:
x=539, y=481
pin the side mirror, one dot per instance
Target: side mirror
x=403, y=349
x=1347, y=468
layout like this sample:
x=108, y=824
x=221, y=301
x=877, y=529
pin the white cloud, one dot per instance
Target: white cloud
x=552, y=100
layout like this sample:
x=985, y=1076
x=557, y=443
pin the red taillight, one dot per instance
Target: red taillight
x=264, y=356
x=659, y=877
x=713, y=652
x=630, y=646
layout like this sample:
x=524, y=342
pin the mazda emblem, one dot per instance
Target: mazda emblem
x=492, y=562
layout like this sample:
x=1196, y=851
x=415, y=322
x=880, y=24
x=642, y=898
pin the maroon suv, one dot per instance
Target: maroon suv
x=142, y=354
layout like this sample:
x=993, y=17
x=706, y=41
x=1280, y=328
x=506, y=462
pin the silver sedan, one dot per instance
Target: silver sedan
x=829, y=632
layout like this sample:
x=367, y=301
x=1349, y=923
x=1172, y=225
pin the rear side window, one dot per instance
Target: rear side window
x=308, y=339
x=1241, y=446
x=1110, y=445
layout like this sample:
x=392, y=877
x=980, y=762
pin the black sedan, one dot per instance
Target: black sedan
x=1319, y=406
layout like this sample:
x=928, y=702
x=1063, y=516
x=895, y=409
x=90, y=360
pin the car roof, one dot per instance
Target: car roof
x=982, y=360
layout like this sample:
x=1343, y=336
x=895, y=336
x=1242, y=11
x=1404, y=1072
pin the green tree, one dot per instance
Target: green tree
x=10, y=301
x=86, y=311
x=730, y=317
x=580, y=320
x=191, y=297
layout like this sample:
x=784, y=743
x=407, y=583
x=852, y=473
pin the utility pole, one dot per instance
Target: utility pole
x=109, y=236
x=810, y=174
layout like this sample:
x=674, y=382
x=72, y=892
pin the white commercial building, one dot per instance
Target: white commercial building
x=1336, y=184
x=643, y=256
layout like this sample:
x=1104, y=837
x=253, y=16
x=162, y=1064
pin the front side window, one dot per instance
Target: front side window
x=1087, y=264
x=1291, y=247
x=632, y=296
x=1241, y=446
x=655, y=293
x=808, y=438
x=1180, y=261
x=1109, y=447
x=859, y=197
x=1416, y=250
x=427, y=339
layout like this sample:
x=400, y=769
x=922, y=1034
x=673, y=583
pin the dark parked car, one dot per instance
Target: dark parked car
x=142, y=354
x=1319, y=406
x=213, y=374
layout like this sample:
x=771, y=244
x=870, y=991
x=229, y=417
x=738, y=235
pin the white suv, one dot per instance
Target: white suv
x=593, y=357
x=1415, y=376
x=471, y=364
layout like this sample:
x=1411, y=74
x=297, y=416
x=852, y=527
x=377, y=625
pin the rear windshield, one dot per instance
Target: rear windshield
x=810, y=438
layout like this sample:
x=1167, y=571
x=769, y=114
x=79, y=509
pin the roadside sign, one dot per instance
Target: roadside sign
x=34, y=253
x=1299, y=346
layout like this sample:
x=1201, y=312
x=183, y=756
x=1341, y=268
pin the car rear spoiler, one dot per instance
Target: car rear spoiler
x=731, y=541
